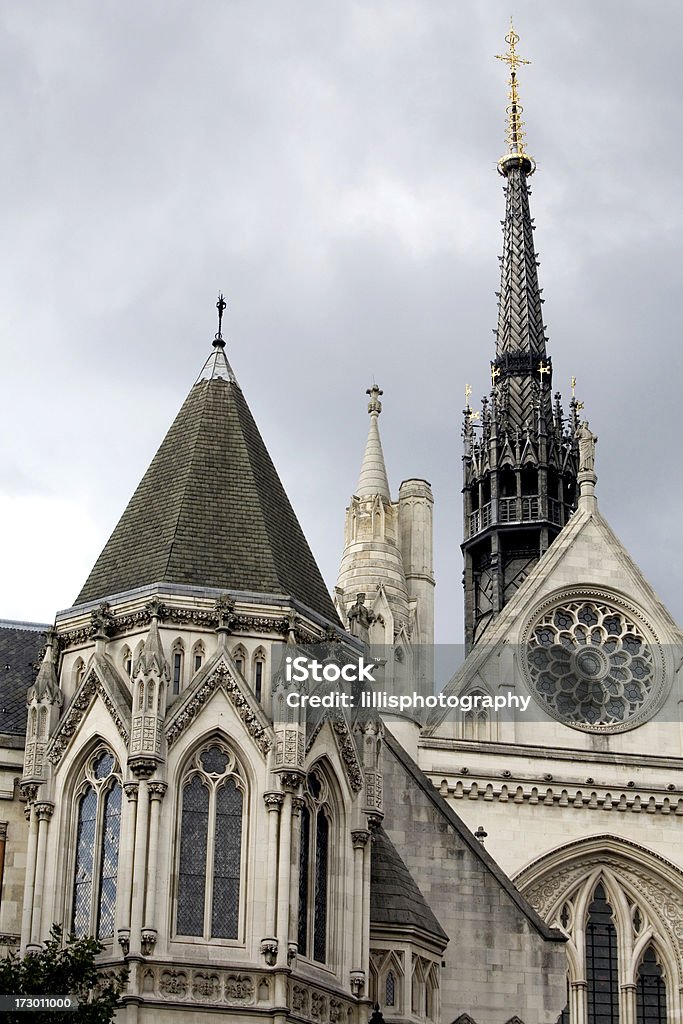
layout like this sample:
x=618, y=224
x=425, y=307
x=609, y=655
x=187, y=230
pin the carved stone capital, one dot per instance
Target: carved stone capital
x=131, y=790
x=45, y=810
x=124, y=940
x=292, y=951
x=142, y=767
x=297, y=805
x=157, y=790
x=291, y=780
x=148, y=938
x=273, y=801
x=359, y=838
x=374, y=821
x=29, y=791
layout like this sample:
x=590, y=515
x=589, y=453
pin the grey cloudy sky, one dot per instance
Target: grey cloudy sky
x=331, y=166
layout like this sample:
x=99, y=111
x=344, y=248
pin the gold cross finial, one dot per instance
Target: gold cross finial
x=495, y=373
x=515, y=124
x=543, y=369
x=512, y=58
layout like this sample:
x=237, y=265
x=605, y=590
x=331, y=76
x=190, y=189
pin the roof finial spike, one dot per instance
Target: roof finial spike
x=374, y=405
x=221, y=306
x=516, y=155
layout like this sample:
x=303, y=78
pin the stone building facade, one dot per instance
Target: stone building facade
x=248, y=861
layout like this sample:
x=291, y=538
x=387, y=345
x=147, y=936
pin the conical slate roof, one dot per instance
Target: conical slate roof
x=211, y=511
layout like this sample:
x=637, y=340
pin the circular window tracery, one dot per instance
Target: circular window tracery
x=591, y=665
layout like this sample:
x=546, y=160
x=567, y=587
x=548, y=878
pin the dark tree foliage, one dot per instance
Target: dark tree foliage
x=60, y=969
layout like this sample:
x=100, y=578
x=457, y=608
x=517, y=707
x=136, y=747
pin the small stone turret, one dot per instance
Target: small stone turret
x=44, y=700
x=415, y=513
x=372, y=552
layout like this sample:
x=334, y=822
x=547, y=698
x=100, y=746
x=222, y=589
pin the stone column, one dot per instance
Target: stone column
x=139, y=864
x=359, y=838
x=156, y=794
x=297, y=805
x=578, y=1002
x=367, y=854
x=29, y=881
x=283, y=879
x=125, y=879
x=44, y=812
x=628, y=1013
x=273, y=802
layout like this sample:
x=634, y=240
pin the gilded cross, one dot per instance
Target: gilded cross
x=495, y=373
x=543, y=370
x=512, y=58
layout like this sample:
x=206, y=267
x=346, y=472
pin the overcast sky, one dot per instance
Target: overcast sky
x=331, y=165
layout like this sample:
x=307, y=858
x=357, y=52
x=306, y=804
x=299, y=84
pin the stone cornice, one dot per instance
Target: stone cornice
x=638, y=800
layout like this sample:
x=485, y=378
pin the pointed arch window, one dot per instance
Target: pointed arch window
x=211, y=845
x=78, y=670
x=259, y=669
x=650, y=990
x=98, y=825
x=177, y=666
x=604, y=920
x=602, y=972
x=127, y=660
x=314, y=870
x=239, y=656
x=197, y=657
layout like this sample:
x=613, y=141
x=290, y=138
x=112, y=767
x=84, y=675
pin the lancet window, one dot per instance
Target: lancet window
x=625, y=975
x=210, y=855
x=98, y=824
x=314, y=869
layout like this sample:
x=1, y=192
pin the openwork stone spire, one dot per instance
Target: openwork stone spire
x=373, y=474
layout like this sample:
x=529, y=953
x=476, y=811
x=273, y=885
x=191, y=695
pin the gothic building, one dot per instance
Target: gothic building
x=249, y=861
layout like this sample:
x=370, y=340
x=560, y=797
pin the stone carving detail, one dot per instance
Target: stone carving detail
x=300, y=1000
x=221, y=677
x=173, y=983
x=347, y=749
x=205, y=986
x=239, y=989
x=289, y=746
x=206, y=618
x=318, y=1006
x=90, y=688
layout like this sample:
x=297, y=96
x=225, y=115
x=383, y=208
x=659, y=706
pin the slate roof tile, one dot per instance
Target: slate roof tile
x=211, y=511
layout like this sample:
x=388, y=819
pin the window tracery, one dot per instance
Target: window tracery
x=314, y=866
x=98, y=823
x=591, y=664
x=177, y=666
x=211, y=845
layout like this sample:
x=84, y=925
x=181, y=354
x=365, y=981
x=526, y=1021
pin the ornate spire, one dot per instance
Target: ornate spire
x=373, y=474
x=516, y=155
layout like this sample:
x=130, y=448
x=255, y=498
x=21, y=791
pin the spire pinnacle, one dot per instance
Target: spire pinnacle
x=217, y=365
x=516, y=155
x=221, y=306
x=373, y=474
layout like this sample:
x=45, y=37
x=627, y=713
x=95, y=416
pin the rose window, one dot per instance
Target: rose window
x=590, y=664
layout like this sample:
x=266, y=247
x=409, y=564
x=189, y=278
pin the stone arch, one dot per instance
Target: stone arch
x=637, y=881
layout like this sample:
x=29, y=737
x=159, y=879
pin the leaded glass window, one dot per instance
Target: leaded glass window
x=390, y=990
x=601, y=961
x=650, y=991
x=98, y=825
x=314, y=870
x=210, y=849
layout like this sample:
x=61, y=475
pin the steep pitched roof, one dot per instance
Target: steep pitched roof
x=395, y=898
x=20, y=647
x=211, y=511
